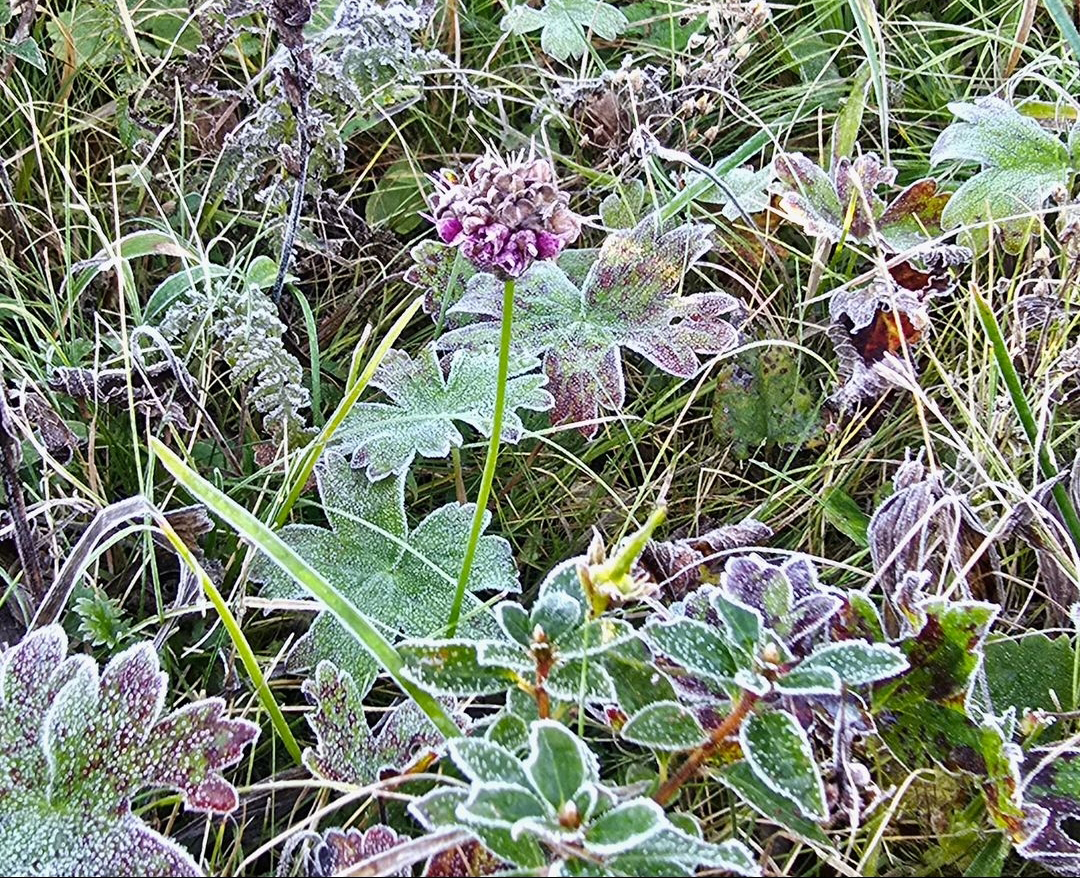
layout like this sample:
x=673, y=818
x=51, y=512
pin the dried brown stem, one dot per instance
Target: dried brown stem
x=10, y=454
x=695, y=760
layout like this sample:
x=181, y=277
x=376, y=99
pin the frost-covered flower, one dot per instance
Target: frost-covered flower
x=504, y=213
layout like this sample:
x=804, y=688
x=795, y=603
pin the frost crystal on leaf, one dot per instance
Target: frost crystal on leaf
x=403, y=578
x=1023, y=166
x=76, y=745
x=844, y=202
x=339, y=850
x=347, y=751
x=385, y=438
x=631, y=298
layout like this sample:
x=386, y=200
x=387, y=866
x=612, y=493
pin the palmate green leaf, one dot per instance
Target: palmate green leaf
x=419, y=420
x=401, y=578
x=665, y=725
x=750, y=188
x=77, y=744
x=563, y=24
x=778, y=751
x=631, y=298
x=1023, y=166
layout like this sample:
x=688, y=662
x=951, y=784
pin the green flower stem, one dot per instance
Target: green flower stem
x=492, y=456
x=1023, y=411
x=257, y=533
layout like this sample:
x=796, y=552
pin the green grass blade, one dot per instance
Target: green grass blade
x=869, y=26
x=1063, y=20
x=257, y=533
x=236, y=634
x=318, y=444
x=1023, y=411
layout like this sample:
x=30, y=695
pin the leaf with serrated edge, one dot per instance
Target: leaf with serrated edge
x=1022, y=166
x=562, y=24
x=385, y=438
x=347, y=751
x=404, y=579
x=777, y=749
x=76, y=745
x=631, y=298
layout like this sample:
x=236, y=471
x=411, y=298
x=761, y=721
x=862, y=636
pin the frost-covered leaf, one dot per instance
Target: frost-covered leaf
x=763, y=399
x=403, y=578
x=563, y=24
x=665, y=725
x=681, y=565
x=789, y=598
x=76, y=745
x=339, y=850
x=858, y=663
x=876, y=322
x=1023, y=166
x=623, y=208
x=424, y=403
x=484, y=761
x=635, y=678
x=740, y=777
x=347, y=750
x=549, y=812
x=673, y=851
x=441, y=273
x=1051, y=804
x=845, y=203
x=694, y=645
x=559, y=762
x=925, y=710
x=926, y=528
x=455, y=667
x=25, y=50
x=625, y=827
x=631, y=298
x=1032, y=672
x=750, y=188
x=778, y=751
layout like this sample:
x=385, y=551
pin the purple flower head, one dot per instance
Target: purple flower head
x=504, y=213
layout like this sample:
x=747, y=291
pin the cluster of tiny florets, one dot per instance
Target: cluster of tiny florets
x=504, y=214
